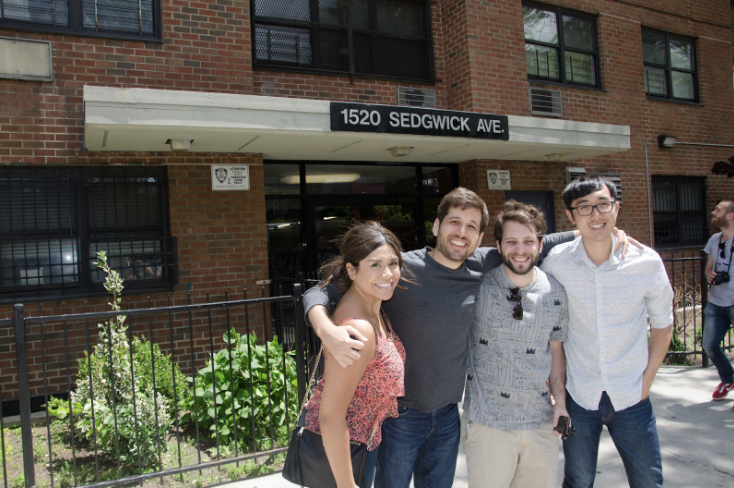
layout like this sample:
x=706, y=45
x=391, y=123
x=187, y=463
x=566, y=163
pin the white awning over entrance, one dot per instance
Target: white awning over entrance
x=134, y=119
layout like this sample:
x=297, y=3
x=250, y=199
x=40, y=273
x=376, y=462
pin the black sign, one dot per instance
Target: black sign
x=389, y=119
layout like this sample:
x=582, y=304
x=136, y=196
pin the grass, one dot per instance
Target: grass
x=87, y=466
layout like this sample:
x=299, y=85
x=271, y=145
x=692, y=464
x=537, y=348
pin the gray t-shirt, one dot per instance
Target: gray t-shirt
x=432, y=318
x=510, y=360
x=722, y=294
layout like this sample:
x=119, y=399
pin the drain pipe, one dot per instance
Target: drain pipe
x=649, y=193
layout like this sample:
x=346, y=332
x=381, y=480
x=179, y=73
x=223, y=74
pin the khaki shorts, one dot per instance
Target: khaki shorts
x=510, y=458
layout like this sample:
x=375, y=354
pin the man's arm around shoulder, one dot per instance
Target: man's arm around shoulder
x=343, y=343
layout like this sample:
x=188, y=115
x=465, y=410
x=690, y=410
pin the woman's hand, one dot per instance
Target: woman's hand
x=624, y=241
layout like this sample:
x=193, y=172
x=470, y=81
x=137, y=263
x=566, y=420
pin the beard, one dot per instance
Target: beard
x=451, y=254
x=719, y=222
x=531, y=264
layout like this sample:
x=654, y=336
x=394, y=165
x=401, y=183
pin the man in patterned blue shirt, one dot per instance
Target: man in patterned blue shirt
x=515, y=347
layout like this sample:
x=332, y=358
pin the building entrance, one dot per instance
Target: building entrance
x=309, y=206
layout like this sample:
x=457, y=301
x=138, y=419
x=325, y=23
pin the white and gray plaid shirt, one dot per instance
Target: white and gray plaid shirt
x=606, y=346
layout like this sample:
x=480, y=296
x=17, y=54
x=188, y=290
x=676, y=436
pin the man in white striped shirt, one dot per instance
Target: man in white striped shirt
x=610, y=365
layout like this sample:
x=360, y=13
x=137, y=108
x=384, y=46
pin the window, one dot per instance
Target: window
x=553, y=34
x=137, y=19
x=371, y=37
x=670, y=66
x=56, y=219
x=679, y=211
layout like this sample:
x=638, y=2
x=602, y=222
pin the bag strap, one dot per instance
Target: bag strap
x=309, y=394
x=309, y=388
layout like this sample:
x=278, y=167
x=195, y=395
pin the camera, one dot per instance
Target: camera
x=721, y=277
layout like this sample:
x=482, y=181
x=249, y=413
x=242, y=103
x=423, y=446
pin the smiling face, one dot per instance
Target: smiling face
x=377, y=275
x=457, y=236
x=520, y=247
x=597, y=226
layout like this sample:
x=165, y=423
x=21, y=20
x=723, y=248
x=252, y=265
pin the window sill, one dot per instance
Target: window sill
x=23, y=27
x=29, y=297
x=534, y=81
x=671, y=100
x=362, y=76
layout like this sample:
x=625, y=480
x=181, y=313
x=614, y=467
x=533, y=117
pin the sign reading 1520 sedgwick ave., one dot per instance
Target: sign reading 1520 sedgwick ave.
x=389, y=119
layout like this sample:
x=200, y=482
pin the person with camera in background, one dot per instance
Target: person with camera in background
x=719, y=313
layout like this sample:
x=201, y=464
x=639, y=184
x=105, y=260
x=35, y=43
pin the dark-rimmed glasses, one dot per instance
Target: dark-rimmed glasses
x=602, y=207
x=722, y=250
x=516, y=296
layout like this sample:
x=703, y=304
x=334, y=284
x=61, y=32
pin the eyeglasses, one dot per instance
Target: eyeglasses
x=602, y=207
x=722, y=250
x=516, y=296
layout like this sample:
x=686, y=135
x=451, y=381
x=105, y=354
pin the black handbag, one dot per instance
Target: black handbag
x=306, y=463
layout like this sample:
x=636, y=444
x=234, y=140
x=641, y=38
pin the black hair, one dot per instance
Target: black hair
x=587, y=185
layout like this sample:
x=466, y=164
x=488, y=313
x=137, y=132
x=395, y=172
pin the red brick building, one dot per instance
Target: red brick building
x=197, y=142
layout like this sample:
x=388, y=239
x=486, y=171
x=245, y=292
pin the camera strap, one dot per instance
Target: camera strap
x=731, y=251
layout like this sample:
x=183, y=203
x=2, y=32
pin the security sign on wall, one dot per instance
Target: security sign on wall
x=230, y=177
x=498, y=179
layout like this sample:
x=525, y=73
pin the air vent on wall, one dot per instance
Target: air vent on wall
x=416, y=97
x=545, y=102
x=617, y=180
x=574, y=174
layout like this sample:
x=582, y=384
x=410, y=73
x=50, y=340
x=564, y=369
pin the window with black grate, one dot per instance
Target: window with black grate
x=56, y=219
x=103, y=18
x=679, y=211
x=369, y=37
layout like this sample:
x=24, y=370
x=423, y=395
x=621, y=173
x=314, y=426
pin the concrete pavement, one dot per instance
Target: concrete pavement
x=696, y=437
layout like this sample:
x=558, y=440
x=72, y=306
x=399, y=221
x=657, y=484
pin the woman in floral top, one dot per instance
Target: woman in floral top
x=351, y=403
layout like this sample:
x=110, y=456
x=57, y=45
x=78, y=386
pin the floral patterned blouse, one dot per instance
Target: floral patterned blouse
x=375, y=398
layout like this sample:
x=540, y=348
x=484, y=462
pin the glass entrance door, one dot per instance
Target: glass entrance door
x=330, y=219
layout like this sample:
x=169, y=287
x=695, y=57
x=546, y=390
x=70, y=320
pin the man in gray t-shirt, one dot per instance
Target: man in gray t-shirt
x=515, y=349
x=719, y=313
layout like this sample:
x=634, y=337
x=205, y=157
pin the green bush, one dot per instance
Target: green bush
x=107, y=385
x=234, y=408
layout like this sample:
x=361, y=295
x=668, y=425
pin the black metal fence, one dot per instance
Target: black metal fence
x=49, y=360
x=113, y=417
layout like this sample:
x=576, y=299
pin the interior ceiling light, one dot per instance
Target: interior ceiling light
x=179, y=144
x=399, y=151
x=325, y=178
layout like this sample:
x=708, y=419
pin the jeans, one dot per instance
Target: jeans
x=369, y=468
x=634, y=433
x=419, y=445
x=717, y=321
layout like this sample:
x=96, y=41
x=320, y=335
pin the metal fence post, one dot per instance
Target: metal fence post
x=300, y=342
x=24, y=397
x=704, y=302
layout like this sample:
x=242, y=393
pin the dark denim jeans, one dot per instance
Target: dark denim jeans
x=717, y=321
x=634, y=433
x=423, y=445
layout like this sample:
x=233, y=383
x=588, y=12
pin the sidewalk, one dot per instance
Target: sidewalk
x=696, y=437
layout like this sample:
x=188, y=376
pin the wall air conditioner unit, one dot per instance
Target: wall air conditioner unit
x=574, y=174
x=416, y=97
x=545, y=102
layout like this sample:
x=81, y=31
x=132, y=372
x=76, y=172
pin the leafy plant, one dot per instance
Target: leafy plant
x=115, y=401
x=232, y=397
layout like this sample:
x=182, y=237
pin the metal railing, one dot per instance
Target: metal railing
x=190, y=334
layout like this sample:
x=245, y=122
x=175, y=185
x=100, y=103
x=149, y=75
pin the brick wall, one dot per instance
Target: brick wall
x=480, y=66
